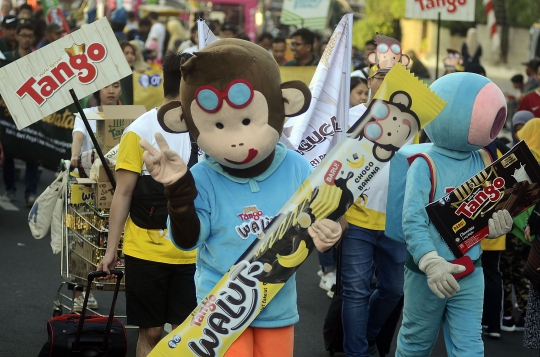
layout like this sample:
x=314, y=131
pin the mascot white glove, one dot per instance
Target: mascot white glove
x=439, y=274
x=500, y=224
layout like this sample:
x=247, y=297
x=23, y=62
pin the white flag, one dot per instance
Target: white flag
x=315, y=132
x=206, y=36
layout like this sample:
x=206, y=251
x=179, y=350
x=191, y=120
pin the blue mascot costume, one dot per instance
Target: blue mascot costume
x=475, y=114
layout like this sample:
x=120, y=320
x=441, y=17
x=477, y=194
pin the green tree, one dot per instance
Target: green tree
x=380, y=16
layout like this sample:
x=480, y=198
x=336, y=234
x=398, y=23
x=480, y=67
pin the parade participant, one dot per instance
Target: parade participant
x=233, y=103
x=359, y=90
x=473, y=117
x=159, y=277
x=8, y=42
x=365, y=246
x=228, y=31
x=265, y=40
x=471, y=50
x=81, y=140
x=156, y=37
x=279, y=47
x=25, y=37
x=25, y=12
x=531, y=101
x=178, y=35
x=53, y=32
x=531, y=68
x=302, y=48
x=531, y=336
x=359, y=94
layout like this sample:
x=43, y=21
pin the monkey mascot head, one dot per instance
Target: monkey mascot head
x=234, y=104
x=387, y=53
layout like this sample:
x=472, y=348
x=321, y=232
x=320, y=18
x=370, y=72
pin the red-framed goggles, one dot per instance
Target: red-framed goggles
x=379, y=111
x=383, y=48
x=238, y=94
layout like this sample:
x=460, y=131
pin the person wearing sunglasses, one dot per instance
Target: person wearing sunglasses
x=302, y=48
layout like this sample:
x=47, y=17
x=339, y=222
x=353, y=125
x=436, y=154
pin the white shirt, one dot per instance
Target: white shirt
x=147, y=125
x=157, y=32
x=79, y=126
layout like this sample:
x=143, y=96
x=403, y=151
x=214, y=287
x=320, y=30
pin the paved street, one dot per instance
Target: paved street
x=31, y=277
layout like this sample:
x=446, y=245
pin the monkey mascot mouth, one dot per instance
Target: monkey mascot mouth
x=251, y=155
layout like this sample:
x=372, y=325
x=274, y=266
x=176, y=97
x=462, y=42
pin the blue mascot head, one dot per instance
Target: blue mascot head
x=475, y=113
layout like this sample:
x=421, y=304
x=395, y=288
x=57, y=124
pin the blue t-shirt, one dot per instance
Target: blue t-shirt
x=232, y=212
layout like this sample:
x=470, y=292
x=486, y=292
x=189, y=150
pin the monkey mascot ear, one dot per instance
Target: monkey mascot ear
x=296, y=97
x=171, y=119
x=372, y=57
x=405, y=60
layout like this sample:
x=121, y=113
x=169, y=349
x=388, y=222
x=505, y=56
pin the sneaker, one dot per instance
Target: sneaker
x=327, y=281
x=372, y=349
x=9, y=196
x=520, y=324
x=79, y=301
x=492, y=333
x=330, y=294
x=508, y=324
x=320, y=273
x=30, y=200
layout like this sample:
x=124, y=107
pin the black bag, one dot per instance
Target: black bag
x=148, y=207
x=95, y=335
x=333, y=327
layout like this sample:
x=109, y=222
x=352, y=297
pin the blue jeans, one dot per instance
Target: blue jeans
x=365, y=312
x=30, y=176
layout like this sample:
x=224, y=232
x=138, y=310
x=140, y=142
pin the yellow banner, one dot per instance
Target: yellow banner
x=303, y=74
x=148, y=88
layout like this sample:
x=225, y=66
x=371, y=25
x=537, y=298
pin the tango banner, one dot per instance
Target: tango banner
x=315, y=132
x=48, y=139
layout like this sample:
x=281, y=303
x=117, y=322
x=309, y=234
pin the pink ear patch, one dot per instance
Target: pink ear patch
x=488, y=115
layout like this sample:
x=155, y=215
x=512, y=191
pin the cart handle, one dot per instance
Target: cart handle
x=91, y=276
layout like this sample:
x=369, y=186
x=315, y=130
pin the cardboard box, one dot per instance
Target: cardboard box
x=102, y=174
x=512, y=183
x=104, y=194
x=111, y=123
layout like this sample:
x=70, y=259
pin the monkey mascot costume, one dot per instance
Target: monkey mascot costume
x=473, y=117
x=234, y=104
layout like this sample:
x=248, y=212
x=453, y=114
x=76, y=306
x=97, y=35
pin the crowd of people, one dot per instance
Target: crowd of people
x=161, y=282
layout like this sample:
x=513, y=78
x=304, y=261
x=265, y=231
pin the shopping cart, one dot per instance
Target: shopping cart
x=84, y=242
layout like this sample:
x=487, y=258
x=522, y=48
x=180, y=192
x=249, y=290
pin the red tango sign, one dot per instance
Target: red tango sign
x=456, y=10
x=78, y=63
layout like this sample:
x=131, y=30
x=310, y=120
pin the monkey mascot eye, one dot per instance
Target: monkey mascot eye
x=396, y=49
x=238, y=94
x=380, y=111
x=382, y=48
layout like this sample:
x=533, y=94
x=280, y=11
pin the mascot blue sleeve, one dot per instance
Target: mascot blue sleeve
x=415, y=218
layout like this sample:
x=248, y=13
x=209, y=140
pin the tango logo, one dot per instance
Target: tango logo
x=78, y=62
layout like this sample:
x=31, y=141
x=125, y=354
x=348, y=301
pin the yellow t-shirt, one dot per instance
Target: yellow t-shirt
x=150, y=244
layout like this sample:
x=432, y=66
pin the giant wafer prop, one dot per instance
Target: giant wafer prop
x=403, y=104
